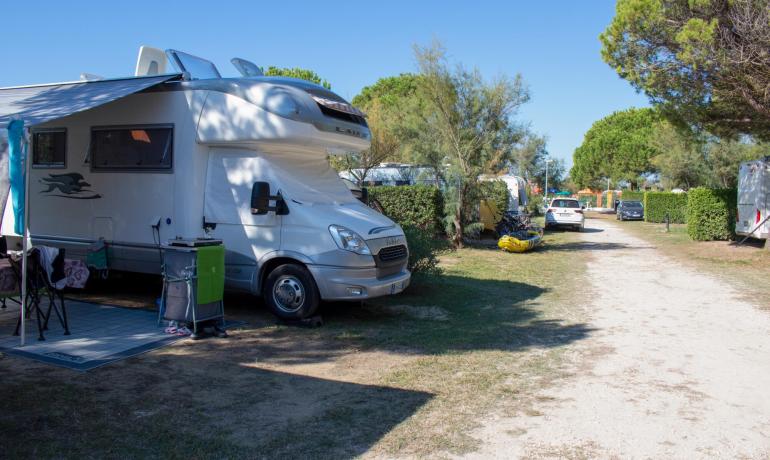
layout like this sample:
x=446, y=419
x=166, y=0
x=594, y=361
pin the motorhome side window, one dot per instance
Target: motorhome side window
x=49, y=148
x=145, y=148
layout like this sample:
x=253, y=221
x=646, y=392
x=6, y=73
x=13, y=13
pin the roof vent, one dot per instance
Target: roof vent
x=246, y=68
x=151, y=61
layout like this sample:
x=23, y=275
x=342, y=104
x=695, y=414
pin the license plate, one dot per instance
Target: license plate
x=396, y=287
x=564, y=215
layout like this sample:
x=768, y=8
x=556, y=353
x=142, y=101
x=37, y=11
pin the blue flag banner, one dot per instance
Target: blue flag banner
x=16, y=172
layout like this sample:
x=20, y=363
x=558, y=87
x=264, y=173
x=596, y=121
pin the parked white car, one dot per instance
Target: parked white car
x=565, y=212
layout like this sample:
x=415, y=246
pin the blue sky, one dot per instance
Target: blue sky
x=554, y=45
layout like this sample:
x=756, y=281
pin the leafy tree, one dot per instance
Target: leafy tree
x=402, y=98
x=681, y=162
x=688, y=159
x=296, y=72
x=528, y=155
x=616, y=147
x=384, y=145
x=391, y=92
x=472, y=120
x=557, y=170
x=725, y=157
x=703, y=61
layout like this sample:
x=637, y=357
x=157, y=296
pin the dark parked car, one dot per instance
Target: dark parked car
x=629, y=210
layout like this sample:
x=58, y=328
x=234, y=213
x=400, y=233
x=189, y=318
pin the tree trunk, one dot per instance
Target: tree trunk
x=458, y=237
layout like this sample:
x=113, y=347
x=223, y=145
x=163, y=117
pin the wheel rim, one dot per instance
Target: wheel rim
x=288, y=294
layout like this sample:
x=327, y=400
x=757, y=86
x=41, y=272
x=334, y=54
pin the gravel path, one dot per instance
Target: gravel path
x=678, y=367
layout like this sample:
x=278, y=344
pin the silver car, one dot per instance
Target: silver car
x=565, y=212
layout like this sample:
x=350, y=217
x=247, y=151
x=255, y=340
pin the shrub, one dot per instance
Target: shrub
x=711, y=213
x=632, y=195
x=423, y=250
x=420, y=206
x=535, y=204
x=496, y=191
x=658, y=204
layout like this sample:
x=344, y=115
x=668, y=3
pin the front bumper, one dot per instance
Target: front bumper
x=339, y=283
x=632, y=217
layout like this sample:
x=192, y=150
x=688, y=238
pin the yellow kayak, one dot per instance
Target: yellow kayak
x=513, y=244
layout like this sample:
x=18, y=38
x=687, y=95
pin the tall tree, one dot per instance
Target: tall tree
x=726, y=155
x=680, y=161
x=529, y=154
x=384, y=145
x=556, y=172
x=616, y=147
x=473, y=120
x=705, y=62
x=296, y=72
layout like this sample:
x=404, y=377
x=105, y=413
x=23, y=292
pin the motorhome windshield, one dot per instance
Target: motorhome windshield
x=310, y=180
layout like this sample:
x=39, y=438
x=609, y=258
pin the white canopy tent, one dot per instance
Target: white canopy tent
x=38, y=104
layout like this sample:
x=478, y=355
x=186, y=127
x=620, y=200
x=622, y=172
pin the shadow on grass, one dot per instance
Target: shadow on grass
x=586, y=246
x=434, y=316
x=198, y=405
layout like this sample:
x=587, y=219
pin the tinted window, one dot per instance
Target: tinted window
x=49, y=148
x=143, y=148
x=632, y=204
x=565, y=204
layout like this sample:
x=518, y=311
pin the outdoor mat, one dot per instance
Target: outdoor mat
x=100, y=334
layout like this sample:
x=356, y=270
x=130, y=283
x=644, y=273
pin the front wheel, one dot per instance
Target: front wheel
x=290, y=292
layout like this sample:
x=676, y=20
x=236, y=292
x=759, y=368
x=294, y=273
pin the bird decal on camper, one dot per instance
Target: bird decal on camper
x=70, y=185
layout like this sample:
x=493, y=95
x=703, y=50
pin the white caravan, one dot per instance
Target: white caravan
x=243, y=160
x=754, y=199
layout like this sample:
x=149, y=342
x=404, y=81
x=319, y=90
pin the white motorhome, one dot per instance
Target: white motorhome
x=754, y=199
x=196, y=155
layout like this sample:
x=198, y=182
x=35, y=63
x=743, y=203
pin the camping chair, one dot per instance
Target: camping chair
x=10, y=283
x=39, y=286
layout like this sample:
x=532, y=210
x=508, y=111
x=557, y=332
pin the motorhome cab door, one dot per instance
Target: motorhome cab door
x=230, y=177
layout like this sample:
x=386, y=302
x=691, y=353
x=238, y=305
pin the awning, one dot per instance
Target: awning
x=38, y=104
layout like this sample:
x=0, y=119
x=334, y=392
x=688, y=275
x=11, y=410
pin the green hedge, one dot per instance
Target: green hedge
x=658, y=204
x=632, y=195
x=420, y=206
x=711, y=213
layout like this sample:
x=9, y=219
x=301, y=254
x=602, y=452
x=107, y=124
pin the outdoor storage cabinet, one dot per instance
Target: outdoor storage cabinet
x=193, y=281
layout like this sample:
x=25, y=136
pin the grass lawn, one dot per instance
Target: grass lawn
x=408, y=375
x=746, y=266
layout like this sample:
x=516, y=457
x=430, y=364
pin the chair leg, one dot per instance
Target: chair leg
x=60, y=310
x=64, y=314
x=27, y=309
x=39, y=322
x=47, y=314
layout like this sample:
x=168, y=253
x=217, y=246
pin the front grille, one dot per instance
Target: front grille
x=392, y=253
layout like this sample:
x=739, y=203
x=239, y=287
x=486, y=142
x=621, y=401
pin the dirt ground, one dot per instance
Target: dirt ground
x=678, y=366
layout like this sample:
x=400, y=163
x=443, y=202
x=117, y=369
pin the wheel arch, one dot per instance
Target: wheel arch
x=273, y=260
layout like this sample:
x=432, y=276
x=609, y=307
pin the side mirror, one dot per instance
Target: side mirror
x=582, y=206
x=260, y=198
x=364, y=195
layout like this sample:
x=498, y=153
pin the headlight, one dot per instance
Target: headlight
x=349, y=240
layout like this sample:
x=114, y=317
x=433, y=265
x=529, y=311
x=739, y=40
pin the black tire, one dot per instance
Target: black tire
x=290, y=292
